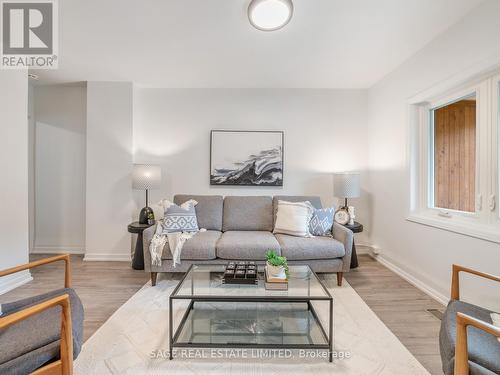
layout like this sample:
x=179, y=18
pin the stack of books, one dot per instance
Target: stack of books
x=276, y=282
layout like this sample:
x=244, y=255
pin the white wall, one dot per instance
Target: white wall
x=60, y=158
x=14, y=231
x=426, y=253
x=325, y=131
x=109, y=203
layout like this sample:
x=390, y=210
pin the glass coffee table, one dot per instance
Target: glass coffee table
x=249, y=316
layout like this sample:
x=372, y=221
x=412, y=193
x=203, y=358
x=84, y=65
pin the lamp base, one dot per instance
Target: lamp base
x=346, y=205
x=144, y=215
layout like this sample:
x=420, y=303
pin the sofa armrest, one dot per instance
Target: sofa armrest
x=344, y=235
x=147, y=236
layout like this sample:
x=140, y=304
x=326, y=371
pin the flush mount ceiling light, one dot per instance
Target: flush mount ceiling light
x=270, y=15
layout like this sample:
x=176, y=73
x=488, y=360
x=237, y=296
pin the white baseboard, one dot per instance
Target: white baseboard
x=102, y=257
x=431, y=292
x=57, y=250
x=7, y=283
x=363, y=248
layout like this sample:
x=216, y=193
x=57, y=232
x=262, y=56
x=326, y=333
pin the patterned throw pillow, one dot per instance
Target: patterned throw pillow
x=322, y=222
x=179, y=218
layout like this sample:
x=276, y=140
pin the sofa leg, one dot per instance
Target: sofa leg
x=339, y=278
x=153, y=278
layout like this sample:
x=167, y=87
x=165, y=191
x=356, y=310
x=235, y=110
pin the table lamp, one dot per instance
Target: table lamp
x=346, y=185
x=146, y=177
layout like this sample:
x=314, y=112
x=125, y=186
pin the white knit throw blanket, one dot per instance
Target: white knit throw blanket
x=175, y=242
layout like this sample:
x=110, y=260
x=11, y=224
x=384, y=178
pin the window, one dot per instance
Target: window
x=453, y=178
x=455, y=159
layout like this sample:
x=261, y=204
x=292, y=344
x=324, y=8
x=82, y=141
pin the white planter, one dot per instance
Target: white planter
x=275, y=271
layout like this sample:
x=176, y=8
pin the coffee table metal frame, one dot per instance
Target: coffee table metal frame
x=173, y=336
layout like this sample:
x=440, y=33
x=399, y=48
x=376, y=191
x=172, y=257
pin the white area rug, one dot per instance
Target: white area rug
x=123, y=345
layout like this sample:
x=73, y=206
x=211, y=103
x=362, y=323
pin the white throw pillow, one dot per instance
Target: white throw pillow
x=293, y=218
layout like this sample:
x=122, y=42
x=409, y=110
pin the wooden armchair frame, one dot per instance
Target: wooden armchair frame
x=463, y=320
x=63, y=366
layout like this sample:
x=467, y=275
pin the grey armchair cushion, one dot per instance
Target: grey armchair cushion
x=208, y=210
x=248, y=213
x=31, y=343
x=250, y=245
x=303, y=248
x=484, y=349
x=199, y=247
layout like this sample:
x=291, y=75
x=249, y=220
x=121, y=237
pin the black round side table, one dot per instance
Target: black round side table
x=138, y=259
x=356, y=228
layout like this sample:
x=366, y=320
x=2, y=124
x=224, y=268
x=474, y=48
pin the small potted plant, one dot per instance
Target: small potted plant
x=276, y=265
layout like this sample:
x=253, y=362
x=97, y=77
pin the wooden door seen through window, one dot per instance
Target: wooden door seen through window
x=455, y=155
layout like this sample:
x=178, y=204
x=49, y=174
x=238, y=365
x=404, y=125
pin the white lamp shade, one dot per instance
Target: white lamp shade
x=146, y=176
x=346, y=184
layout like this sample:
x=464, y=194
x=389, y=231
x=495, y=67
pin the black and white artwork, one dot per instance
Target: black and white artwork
x=250, y=158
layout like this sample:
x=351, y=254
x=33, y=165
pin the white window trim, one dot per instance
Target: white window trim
x=494, y=182
x=485, y=222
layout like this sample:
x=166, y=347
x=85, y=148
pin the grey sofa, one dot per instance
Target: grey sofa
x=240, y=228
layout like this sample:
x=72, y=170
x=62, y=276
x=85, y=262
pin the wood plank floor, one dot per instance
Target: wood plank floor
x=402, y=308
x=105, y=286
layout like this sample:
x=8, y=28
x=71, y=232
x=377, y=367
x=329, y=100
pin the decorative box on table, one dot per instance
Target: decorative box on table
x=240, y=273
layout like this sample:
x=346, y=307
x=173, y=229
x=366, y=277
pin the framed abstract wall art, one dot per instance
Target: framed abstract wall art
x=247, y=158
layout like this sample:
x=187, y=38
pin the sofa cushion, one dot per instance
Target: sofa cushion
x=484, y=349
x=199, y=247
x=250, y=245
x=208, y=210
x=248, y=213
x=303, y=248
x=31, y=343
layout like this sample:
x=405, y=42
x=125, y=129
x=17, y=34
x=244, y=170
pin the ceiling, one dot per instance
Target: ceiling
x=210, y=43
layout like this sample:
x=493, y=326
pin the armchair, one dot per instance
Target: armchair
x=42, y=334
x=475, y=350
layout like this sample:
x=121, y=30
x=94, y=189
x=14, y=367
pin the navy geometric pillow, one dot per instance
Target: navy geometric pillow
x=322, y=222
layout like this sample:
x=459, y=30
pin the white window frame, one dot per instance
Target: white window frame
x=495, y=149
x=485, y=221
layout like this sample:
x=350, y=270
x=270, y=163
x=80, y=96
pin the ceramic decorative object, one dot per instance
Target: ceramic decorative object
x=275, y=271
x=352, y=216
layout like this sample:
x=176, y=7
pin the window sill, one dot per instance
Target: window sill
x=482, y=231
